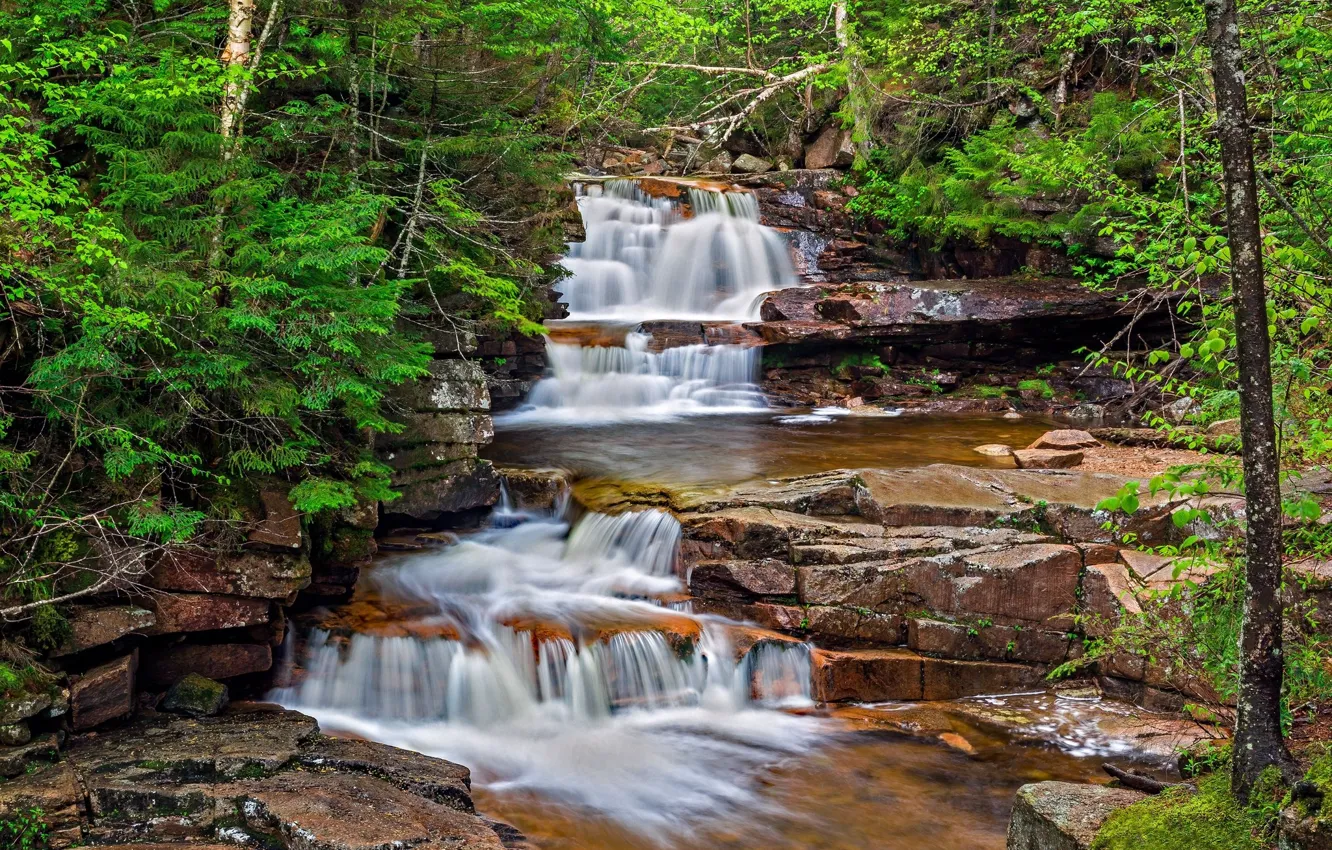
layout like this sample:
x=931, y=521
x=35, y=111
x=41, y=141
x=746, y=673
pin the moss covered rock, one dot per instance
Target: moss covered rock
x=1179, y=819
x=197, y=696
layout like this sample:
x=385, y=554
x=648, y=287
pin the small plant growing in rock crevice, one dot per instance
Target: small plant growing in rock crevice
x=25, y=830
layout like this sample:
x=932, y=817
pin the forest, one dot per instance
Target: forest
x=236, y=234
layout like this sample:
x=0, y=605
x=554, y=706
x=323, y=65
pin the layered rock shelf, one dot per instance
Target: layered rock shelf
x=256, y=776
x=930, y=583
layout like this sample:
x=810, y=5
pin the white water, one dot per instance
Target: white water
x=592, y=383
x=602, y=707
x=642, y=259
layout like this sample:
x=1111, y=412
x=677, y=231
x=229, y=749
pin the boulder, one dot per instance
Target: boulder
x=196, y=696
x=1181, y=410
x=1046, y=459
x=165, y=666
x=832, y=148
x=749, y=164
x=1224, y=428
x=1063, y=815
x=719, y=164
x=429, y=494
x=92, y=626
x=354, y=812
x=994, y=450
x=104, y=693
x=1065, y=439
x=202, y=612
x=441, y=781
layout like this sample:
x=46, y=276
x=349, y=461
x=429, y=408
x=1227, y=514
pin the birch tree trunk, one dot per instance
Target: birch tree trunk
x=1258, y=741
x=240, y=27
x=862, y=114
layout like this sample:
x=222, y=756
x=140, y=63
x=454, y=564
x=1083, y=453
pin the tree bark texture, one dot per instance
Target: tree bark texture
x=1258, y=740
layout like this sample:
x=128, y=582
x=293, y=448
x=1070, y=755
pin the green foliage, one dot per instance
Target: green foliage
x=185, y=310
x=25, y=829
x=860, y=360
x=1039, y=385
x=1180, y=820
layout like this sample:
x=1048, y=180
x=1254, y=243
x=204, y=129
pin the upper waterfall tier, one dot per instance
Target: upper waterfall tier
x=643, y=258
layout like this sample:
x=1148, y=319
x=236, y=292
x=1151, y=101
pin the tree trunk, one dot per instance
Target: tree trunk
x=1258, y=741
x=862, y=118
x=240, y=26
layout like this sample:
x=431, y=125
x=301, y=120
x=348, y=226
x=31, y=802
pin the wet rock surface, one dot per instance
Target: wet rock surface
x=1063, y=815
x=255, y=775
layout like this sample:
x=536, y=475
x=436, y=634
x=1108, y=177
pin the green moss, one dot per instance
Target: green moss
x=989, y=392
x=861, y=360
x=1320, y=774
x=1180, y=820
x=1038, y=385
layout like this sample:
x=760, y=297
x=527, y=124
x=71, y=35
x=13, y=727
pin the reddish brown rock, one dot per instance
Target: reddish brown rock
x=742, y=579
x=1002, y=643
x=164, y=667
x=199, y=612
x=868, y=585
x=281, y=525
x=352, y=812
x=104, y=693
x=856, y=626
x=1030, y=583
x=1064, y=440
x=261, y=574
x=948, y=679
x=56, y=791
x=870, y=675
x=1046, y=459
x=831, y=148
x=1108, y=593
x=93, y=626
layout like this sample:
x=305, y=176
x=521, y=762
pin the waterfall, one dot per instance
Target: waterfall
x=589, y=383
x=571, y=675
x=643, y=259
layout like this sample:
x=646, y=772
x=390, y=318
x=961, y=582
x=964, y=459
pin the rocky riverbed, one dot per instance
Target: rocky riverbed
x=719, y=575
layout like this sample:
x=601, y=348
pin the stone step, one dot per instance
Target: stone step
x=883, y=675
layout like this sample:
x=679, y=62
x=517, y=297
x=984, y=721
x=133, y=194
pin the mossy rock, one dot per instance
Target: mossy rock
x=1180, y=819
x=197, y=696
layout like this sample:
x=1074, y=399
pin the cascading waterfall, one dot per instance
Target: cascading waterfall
x=593, y=382
x=570, y=674
x=643, y=259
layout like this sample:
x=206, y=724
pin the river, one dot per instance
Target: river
x=557, y=654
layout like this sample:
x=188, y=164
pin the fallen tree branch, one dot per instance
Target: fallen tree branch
x=1140, y=781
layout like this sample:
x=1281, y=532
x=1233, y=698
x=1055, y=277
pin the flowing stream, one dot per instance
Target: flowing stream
x=559, y=658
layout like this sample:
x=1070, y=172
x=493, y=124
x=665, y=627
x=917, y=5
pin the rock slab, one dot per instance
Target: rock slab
x=1063, y=815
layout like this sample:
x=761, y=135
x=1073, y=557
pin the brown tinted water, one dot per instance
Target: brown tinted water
x=868, y=788
x=770, y=444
